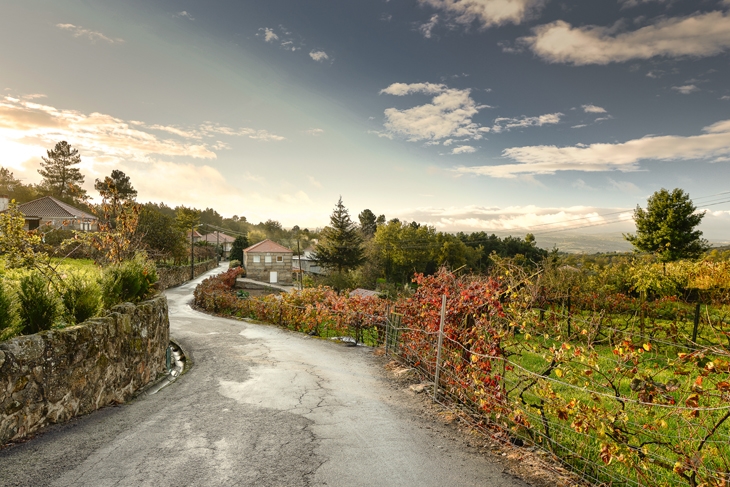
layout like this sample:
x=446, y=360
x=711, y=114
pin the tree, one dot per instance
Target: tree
x=341, y=245
x=667, y=227
x=240, y=243
x=368, y=223
x=160, y=235
x=59, y=176
x=120, y=182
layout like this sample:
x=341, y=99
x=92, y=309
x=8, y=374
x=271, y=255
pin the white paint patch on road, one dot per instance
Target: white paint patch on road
x=274, y=388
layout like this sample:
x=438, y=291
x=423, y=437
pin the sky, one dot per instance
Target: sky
x=506, y=116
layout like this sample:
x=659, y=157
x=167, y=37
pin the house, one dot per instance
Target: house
x=54, y=213
x=267, y=261
x=305, y=263
x=217, y=238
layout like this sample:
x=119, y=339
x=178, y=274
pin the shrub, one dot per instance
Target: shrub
x=81, y=298
x=234, y=263
x=8, y=310
x=38, y=304
x=130, y=280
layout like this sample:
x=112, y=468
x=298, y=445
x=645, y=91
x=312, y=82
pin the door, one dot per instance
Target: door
x=273, y=277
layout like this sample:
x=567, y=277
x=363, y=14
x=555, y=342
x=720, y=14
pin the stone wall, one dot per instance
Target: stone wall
x=55, y=375
x=174, y=276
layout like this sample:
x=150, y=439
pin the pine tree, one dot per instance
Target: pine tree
x=58, y=174
x=341, y=245
x=368, y=223
x=667, y=227
x=119, y=184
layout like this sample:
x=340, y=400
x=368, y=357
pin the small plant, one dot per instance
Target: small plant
x=234, y=263
x=81, y=298
x=243, y=294
x=8, y=310
x=130, y=280
x=38, y=304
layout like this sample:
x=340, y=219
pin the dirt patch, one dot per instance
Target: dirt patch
x=530, y=464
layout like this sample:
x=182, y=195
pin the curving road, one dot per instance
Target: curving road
x=260, y=407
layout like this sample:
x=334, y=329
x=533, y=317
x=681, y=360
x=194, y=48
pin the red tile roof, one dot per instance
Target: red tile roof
x=218, y=237
x=268, y=246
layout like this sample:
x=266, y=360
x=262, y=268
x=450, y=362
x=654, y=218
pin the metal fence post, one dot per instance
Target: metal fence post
x=438, y=350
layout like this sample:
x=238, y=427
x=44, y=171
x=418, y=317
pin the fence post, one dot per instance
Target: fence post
x=387, y=329
x=570, y=316
x=438, y=350
x=697, y=322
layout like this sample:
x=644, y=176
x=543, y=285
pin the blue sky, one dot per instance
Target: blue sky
x=510, y=116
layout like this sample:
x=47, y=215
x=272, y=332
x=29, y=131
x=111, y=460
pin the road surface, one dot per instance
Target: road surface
x=260, y=406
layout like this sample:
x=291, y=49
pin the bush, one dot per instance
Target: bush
x=8, y=309
x=234, y=263
x=130, y=281
x=38, y=304
x=81, y=298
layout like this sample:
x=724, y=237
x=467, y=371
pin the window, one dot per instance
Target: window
x=256, y=259
x=267, y=259
x=279, y=258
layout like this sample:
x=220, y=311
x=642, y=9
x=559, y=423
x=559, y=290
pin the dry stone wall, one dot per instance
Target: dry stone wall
x=55, y=375
x=174, y=276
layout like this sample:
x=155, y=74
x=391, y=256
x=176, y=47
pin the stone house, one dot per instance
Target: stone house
x=50, y=212
x=305, y=263
x=267, y=261
x=217, y=238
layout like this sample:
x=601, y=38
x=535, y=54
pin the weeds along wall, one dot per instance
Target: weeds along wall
x=623, y=396
x=174, y=276
x=53, y=376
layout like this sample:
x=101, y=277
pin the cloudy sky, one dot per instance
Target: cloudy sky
x=498, y=115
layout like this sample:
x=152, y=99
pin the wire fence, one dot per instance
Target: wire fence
x=618, y=399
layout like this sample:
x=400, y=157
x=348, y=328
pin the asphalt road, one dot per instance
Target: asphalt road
x=261, y=406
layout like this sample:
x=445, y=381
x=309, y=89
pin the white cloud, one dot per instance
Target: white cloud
x=319, y=56
x=698, y=35
x=402, y=89
x=27, y=128
x=593, y=109
x=579, y=126
x=448, y=115
x=713, y=145
x=726, y=97
x=314, y=132
x=270, y=35
x=624, y=186
x=506, y=124
x=91, y=35
x=686, y=89
x=185, y=14
x=463, y=149
x=426, y=28
x=487, y=13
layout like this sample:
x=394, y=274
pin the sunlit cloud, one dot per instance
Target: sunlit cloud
x=426, y=28
x=449, y=115
x=686, y=89
x=593, y=109
x=463, y=149
x=91, y=35
x=698, y=35
x=28, y=128
x=319, y=56
x=314, y=132
x=487, y=13
x=185, y=14
x=712, y=146
x=506, y=124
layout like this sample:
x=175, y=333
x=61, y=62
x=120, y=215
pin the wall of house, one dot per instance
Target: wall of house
x=174, y=276
x=260, y=271
x=56, y=375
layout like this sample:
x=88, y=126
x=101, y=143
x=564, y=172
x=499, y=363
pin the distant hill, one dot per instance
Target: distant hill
x=594, y=243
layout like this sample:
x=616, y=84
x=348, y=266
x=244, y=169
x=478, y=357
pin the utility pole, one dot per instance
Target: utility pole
x=299, y=260
x=192, y=253
x=217, y=247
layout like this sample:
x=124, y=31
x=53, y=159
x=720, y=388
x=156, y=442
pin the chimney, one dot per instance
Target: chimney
x=4, y=202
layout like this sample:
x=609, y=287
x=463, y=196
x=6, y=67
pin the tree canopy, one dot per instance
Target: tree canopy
x=667, y=227
x=341, y=245
x=59, y=175
x=368, y=223
x=117, y=183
